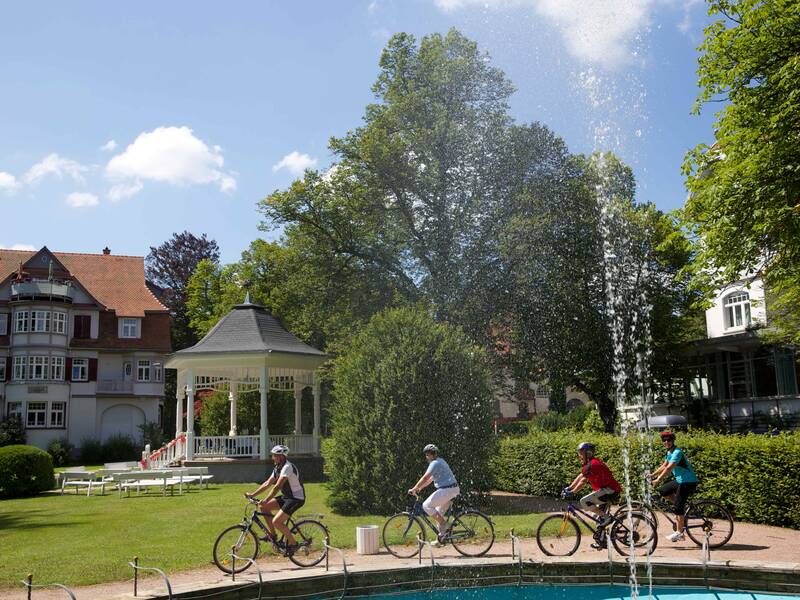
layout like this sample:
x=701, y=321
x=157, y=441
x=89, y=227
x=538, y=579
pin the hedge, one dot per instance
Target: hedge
x=24, y=471
x=755, y=476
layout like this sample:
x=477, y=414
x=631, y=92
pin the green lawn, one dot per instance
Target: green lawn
x=76, y=540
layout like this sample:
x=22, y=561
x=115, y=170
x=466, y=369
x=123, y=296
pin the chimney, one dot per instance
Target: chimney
x=106, y=251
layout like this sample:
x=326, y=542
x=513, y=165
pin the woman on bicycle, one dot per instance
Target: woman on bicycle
x=444, y=481
x=604, y=487
x=285, y=478
x=679, y=489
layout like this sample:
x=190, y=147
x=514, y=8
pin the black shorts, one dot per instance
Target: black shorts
x=289, y=505
x=682, y=492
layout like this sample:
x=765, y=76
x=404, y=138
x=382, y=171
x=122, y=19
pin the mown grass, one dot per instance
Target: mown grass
x=78, y=540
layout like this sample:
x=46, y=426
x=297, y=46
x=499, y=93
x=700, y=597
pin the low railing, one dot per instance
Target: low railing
x=297, y=443
x=172, y=452
x=114, y=386
x=238, y=446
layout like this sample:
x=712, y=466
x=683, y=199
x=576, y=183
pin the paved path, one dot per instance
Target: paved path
x=757, y=544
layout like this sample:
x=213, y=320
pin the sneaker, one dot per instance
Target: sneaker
x=291, y=548
x=437, y=543
x=605, y=521
x=676, y=537
x=600, y=545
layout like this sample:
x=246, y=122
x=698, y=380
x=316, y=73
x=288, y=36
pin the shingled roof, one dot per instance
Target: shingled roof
x=250, y=328
x=118, y=282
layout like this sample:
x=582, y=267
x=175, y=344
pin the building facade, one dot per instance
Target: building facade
x=83, y=342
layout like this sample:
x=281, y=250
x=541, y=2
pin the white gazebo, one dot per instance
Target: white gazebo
x=247, y=350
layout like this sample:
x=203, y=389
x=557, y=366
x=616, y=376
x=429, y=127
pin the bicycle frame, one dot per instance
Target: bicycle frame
x=576, y=512
x=248, y=523
x=419, y=512
x=667, y=510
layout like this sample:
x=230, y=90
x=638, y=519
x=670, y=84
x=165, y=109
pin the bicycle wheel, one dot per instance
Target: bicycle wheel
x=311, y=536
x=244, y=544
x=709, y=515
x=637, y=506
x=637, y=530
x=471, y=533
x=558, y=535
x=401, y=535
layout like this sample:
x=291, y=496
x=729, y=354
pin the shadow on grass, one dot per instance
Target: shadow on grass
x=34, y=519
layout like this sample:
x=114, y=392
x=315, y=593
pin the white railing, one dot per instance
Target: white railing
x=169, y=454
x=114, y=386
x=297, y=444
x=239, y=446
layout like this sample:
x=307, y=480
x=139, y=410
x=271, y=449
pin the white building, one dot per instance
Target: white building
x=82, y=345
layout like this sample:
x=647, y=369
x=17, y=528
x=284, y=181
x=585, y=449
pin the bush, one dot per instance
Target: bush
x=91, y=452
x=60, y=451
x=404, y=382
x=152, y=434
x=12, y=431
x=24, y=471
x=513, y=428
x=215, y=415
x=753, y=475
x=120, y=448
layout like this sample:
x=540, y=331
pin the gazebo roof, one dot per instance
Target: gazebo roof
x=251, y=329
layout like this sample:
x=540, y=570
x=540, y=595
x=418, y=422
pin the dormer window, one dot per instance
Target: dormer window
x=737, y=310
x=129, y=328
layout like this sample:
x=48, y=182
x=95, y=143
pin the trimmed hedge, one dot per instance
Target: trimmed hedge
x=755, y=476
x=24, y=471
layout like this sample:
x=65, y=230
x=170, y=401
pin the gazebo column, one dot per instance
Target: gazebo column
x=179, y=400
x=298, y=409
x=189, y=414
x=233, y=397
x=263, y=387
x=317, y=412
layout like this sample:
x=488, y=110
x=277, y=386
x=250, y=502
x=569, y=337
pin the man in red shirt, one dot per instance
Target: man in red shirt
x=605, y=488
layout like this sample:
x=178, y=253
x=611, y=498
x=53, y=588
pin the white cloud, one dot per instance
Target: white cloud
x=171, y=155
x=8, y=182
x=18, y=247
x=595, y=31
x=81, y=200
x=54, y=164
x=295, y=163
x=109, y=146
x=122, y=191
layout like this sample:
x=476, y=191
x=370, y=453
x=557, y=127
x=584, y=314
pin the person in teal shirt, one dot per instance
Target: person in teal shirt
x=679, y=489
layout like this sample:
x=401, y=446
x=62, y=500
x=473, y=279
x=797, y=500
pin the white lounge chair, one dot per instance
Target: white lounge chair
x=79, y=477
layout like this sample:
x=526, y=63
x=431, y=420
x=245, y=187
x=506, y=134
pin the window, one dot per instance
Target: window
x=2, y=368
x=21, y=321
x=143, y=370
x=40, y=321
x=157, y=372
x=39, y=367
x=14, y=409
x=20, y=368
x=737, y=310
x=37, y=413
x=57, y=411
x=59, y=322
x=57, y=368
x=130, y=328
x=82, y=327
x=3, y=324
x=80, y=369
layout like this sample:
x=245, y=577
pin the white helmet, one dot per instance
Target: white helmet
x=430, y=448
x=280, y=449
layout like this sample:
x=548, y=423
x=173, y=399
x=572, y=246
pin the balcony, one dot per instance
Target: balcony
x=114, y=386
x=42, y=289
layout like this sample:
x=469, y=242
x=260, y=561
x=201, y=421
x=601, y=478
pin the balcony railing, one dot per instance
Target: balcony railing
x=42, y=288
x=114, y=386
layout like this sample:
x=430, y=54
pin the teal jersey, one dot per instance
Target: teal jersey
x=683, y=471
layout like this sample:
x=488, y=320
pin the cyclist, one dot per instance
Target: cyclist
x=285, y=478
x=679, y=489
x=447, y=489
x=605, y=489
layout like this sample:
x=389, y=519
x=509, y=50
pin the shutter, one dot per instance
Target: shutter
x=68, y=369
x=92, y=369
x=8, y=324
x=8, y=368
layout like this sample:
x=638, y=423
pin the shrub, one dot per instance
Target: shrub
x=119, y=448
x=24, y=471
x=215, y=414
x=60, y=451
x=152, y=434
x=513, y=428
x=753, y=475
x=404, y=382
x=12, y=431
x=91, y=452
x=593, y=423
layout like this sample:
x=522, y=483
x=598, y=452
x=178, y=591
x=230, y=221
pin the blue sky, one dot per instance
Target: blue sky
x=123, y=122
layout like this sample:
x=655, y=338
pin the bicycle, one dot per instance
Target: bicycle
x=702, y=516
x=244, y=539
x=560, y=535
x=471, y=532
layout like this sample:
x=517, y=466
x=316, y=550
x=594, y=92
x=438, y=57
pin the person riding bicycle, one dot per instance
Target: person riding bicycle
x=285, y=478
x=447, y=489
x=679, y=489
x=605, y=489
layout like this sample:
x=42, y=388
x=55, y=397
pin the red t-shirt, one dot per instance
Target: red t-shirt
x=599, y=475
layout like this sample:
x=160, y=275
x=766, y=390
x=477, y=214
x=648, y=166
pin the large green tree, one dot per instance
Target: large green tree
x=744, y=203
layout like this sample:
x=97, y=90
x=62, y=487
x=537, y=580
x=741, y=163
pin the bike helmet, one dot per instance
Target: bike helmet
x=430, y=448
x=586, y=446
x=667, y=435
x=280, y=449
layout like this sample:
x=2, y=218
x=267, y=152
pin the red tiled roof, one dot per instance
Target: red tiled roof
x=117, y=282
